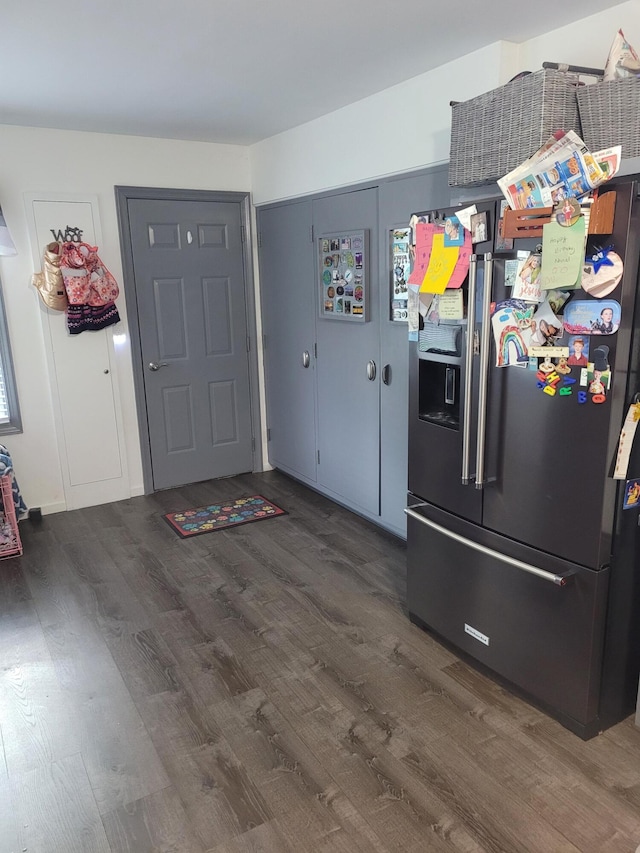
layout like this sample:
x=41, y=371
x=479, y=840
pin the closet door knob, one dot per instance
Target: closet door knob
x=306, y=358
x=156, y=365
x=371, y=370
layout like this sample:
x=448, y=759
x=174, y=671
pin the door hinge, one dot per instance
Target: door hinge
x=243, y=233
x=269, y=434
x=318, y=457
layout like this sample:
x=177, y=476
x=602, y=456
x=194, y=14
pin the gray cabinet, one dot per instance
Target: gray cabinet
x=330, y=424
x=348, y=385
x=287, y=264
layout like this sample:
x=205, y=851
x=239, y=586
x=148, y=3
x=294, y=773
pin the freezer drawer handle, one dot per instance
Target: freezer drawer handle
x=485, y=343
x=559, y=580
x=468, y=371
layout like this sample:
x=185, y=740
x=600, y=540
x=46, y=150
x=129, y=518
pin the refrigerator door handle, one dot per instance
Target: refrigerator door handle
x=485, y=349
x=468, y=370
x=559, y=580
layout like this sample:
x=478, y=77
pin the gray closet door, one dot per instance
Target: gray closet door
x=348, y=400
x=288, y=317
x=398, y=200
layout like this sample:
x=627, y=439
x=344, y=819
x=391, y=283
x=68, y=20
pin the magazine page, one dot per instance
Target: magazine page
x=561, y=168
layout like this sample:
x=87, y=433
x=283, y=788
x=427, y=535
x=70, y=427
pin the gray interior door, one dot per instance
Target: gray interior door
x=397, y=201
x=288, y=317
x=348, y=400
x=190, y=292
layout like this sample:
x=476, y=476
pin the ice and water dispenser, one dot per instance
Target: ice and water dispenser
x=439, y=379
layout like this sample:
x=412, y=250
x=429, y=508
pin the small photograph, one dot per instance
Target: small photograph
x=631, y=494
x=511, y=271
x=453, y=232
x=348, y=290
x=331, y=292
x=557, y=299
x=347, y=306
x=325, y=246
x=578, y=351
x=336, y=260
x=502, y=244
x=479, y=229
x=358, y=293
x=328, y=305
x=359, y=260
x=345, y=243
x=339, y=306
x=335, y=246
x=598, y=371
x=546, y=328
x=592, y=316
x=567, y=212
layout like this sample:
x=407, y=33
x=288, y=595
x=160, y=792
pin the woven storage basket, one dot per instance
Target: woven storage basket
x=495, y=132
x=610, y=115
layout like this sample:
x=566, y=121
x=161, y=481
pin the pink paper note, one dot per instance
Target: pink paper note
x=424, y=241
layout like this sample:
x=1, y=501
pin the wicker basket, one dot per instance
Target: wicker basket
x=610, y=115
x=495, y=132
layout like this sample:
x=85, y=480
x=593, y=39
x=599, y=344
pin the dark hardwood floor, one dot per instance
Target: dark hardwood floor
x=261, y=689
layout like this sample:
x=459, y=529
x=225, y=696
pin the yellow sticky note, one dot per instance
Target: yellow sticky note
x=441, y=266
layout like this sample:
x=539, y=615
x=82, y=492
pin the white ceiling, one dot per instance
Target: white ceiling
x=235, y=71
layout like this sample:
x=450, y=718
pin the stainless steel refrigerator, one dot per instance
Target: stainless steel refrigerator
x=520, y=555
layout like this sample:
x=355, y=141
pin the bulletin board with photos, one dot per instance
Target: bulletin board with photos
x=343, y=272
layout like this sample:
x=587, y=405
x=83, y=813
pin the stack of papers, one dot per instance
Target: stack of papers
x=562, y=168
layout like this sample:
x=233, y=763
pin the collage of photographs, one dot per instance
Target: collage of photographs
x=342, y=276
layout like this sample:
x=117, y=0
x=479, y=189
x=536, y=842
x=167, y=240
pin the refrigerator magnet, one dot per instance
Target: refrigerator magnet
x=325, y=246
x=592, y=317
x=631, y=494
x=605, y=280
x=453, y=232
x=326, y=277
x=567, y=212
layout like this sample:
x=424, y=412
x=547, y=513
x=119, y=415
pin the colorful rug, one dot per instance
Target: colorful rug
x=205, y=519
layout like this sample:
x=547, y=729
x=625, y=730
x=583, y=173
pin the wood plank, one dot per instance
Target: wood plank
x=56, y=810
x=34, y=710
x=155, y=824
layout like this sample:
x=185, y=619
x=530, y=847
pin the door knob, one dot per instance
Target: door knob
x=371, y=370
x=306, y=358
x=156, y=365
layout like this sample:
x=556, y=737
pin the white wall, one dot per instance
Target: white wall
x=40, y=160
x=402, y=128
x=407, y=127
